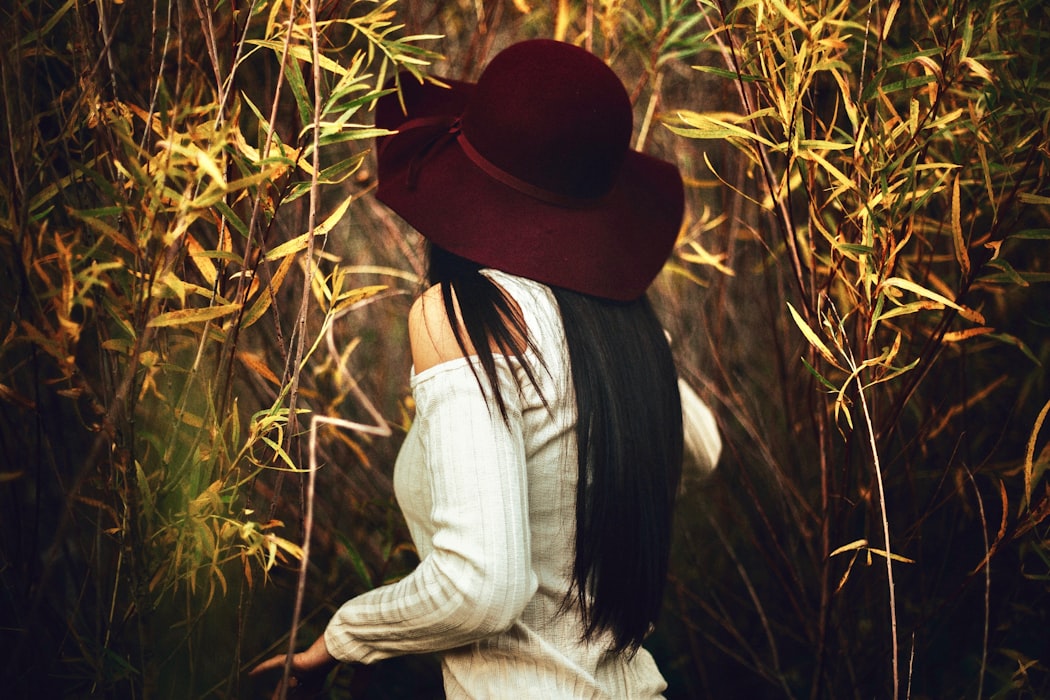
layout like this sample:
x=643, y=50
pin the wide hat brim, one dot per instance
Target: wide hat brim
x=610, y=247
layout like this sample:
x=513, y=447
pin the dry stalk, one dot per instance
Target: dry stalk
x=300, y=335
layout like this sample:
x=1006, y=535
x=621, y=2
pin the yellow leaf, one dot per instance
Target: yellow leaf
x=333, y=218
x=201, y=260
x=832, y=170
x=789, y=15
x=700, y=256
x=1029, y=456
x=210, y=166
x=271, y=548
x=854, y=545
x=890, y=15
x=289, y=247
x=15, y=397
x=261, y=304
x=908, y=285
x=184, y=317
x=891, y=353
x=289, y=547
x=845, y=575
x=354, y=296
x=812, y=337
x=708, y=126
x=957, y=336
x=894, y=557
x=303, y=53
x=977, y=68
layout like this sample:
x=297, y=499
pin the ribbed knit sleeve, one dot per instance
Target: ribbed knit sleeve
x=477, y=579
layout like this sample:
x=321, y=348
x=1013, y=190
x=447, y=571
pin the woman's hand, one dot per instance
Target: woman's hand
x=309, y=670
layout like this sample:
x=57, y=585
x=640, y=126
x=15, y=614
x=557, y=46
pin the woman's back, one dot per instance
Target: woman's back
x=542, y=653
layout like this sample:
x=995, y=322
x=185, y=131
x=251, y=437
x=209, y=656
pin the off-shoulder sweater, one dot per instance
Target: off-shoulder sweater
x=490, y=505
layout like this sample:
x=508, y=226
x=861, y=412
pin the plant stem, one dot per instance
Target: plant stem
x=885, y=536
x=307, y=525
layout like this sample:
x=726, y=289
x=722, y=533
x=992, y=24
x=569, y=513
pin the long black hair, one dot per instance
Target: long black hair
x=628, y=429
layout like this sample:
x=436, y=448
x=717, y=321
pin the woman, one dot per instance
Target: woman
x=539, y=476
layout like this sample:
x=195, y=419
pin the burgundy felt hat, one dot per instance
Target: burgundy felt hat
x=530, y=171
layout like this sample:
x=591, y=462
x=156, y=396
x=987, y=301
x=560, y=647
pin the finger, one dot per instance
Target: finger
x=270, y=664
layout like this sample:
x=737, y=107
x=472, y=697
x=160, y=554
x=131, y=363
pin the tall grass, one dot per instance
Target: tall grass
x=889, y=161
x=169, y=318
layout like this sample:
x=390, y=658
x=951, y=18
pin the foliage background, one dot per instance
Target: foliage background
x=203, y=302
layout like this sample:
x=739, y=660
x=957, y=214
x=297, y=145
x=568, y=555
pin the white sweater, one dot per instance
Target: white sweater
x=491, y=509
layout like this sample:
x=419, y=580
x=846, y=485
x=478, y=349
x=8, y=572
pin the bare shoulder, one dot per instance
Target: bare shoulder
x=433, y=342
x=430, y=331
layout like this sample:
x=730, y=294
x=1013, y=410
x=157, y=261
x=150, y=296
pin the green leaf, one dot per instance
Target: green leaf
x=32, y=37
x=904, y=59
x=1009, y=274
x=1016, y=342
x=338, y=172
x=1007, y=278
x=356, y=561
x=231, y=216
x=297, y=84
x=731, y=75
x=1033, y=234
x=820, y=378
x=346, y=134
x=908, y=84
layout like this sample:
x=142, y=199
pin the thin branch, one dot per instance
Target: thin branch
x=756, y=601
x=784, y=220
x=987, y=587
x=301, y=337
x=885, y=534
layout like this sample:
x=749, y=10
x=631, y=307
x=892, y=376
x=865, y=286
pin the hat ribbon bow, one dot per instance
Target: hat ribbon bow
x=449, y=129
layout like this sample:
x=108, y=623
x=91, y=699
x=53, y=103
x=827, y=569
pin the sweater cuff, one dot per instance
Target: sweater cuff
x=342, y=646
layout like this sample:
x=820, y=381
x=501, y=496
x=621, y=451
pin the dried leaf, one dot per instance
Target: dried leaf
x=254, y=363
x=852, y=546
x=1029, y=455
x=962, y=255
x=958, y=336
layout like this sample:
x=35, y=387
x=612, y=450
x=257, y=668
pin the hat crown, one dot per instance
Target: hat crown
x=552, y=115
